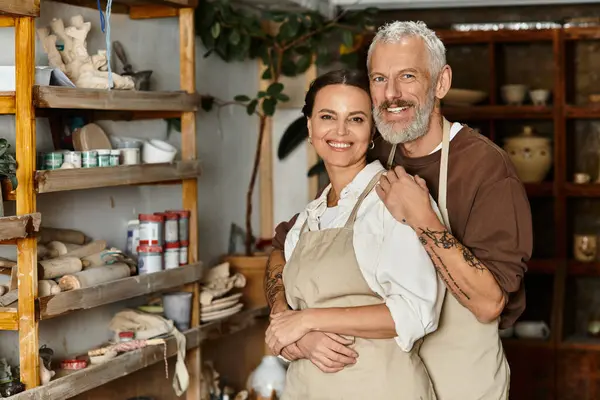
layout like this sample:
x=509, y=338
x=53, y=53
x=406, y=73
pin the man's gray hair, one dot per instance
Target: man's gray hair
x=394, y=32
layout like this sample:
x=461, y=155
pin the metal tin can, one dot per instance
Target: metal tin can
x=89, y=159
x=183, y=253
x=171, y=255
x=53, y=160
x=183, y=223
x=150, y=259
x=172, y=227
x=104, y=158
x=73, y=157
x=115, y=157
x=151, y=229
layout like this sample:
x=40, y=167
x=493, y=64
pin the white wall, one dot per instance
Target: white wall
x=103, y=213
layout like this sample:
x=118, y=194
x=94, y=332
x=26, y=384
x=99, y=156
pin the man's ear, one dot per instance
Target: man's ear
x=444, y=82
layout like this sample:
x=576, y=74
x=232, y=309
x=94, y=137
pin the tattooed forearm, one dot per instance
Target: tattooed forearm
x=443, y=271
x=274, y=289
x=444, y=239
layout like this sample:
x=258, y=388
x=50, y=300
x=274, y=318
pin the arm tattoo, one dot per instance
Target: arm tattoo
x=439, y=266
x=273, y=282
x=445, y=240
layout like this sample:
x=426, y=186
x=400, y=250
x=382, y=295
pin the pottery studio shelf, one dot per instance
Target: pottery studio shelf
x=122, y=289
x=76, y=382
x=485, y=112
x=499, y=36
x=32, y=7
x=582, y=190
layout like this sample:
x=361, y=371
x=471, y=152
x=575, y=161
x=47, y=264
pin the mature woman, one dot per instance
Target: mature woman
x=346, y=254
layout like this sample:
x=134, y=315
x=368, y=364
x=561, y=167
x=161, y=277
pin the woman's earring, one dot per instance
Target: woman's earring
x=372, y=145
x=310, y=140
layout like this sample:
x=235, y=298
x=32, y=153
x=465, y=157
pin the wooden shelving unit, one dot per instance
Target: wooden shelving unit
x=29, y=101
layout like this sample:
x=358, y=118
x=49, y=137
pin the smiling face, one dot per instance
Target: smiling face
x=340, y=126
x=402, y=89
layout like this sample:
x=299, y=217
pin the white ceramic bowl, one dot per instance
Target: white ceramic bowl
x=513, y=94
x=158, y=151
x=463, y=97
x=539, y=97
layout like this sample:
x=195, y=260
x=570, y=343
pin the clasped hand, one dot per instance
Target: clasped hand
x=288, y=334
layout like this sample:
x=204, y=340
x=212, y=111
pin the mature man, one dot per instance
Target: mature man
x=482, y=250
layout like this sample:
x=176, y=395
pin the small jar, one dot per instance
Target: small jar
x=115, y=156
x=89, y=159
x=133, y=236
x=73, y=157
x=171, y=255
x=151, y=229
x=126, y=336
x=183, y=253
x=150, y=259
x=104, y=158
x=172, y=228
x=53, y=160
x=184, y=224
x=130, y=156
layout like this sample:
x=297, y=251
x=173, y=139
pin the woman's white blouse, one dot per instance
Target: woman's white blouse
x=392, y=260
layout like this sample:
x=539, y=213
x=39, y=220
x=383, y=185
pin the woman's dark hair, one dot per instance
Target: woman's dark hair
x=358, y=79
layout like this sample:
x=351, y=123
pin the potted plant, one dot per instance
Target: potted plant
x=288, y=43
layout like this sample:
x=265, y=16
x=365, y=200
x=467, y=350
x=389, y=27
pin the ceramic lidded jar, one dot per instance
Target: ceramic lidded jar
x=530, y=154
x=269, y=376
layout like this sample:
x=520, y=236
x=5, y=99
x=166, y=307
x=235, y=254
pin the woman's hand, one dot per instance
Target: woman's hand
x=286, y=328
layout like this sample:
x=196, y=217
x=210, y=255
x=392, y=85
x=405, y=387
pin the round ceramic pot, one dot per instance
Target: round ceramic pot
x=530, y=154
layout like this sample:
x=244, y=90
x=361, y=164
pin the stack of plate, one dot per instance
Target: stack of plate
x=221, y=308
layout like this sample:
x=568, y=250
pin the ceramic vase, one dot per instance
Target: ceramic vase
x=531, y=155
x=269, y=376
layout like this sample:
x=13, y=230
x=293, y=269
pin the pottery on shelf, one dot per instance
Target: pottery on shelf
x=539, y=97
x=530, y=154
x=269, y=376
x=463, y=97
x=513, y=94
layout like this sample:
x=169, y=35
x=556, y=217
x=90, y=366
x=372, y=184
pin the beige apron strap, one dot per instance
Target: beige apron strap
x=443, y=185
x=390, y=161
x=363, y=195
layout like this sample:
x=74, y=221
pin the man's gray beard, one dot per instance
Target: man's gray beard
x=417, y=128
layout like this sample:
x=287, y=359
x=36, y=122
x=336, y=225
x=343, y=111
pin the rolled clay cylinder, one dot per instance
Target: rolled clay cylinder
x=94, y=276
x=97, y=259
x=57, y=267
x=88, y=249
x=58, y=249
x=47, y=287
x=61, y=235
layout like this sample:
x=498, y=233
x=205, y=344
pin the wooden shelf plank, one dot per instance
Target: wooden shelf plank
x=9, y=319
x=582, y=190
x=123, y=6
x=505, y=35
x=543, y=189
x=113, y=100
x=582, y=33
x=581, y=342
x=519, y=342
x=29, y=8
x=7, y=102
x=122, y=289
x=19, y=226
x=87, y=178
x=81, y=381
x=587, y=111
x=578, y=268
x=484, y=112
x=542, y=266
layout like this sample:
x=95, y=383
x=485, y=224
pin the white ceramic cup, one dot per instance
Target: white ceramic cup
x=158, y=151
x=532, y=330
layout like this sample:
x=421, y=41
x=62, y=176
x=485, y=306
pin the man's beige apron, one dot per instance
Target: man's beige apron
x=323, y=272
x=464, y=357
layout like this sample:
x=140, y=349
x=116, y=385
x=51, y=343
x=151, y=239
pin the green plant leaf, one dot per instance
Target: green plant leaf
x=283, y=97
x=251, y=107
x=234, y=37
x=293, y=136
x=350, y=59
x=207, y=102
x=241, y=97
x=303, y=63
x=348, y=39
x=215, y=31
x=302, y=50
x=267, y=74
x=262, y=94
x=268, y=106
x=275, y=88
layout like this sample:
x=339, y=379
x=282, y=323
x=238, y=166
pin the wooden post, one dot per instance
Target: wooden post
x=311, y=155
x=187, y=66
x=26, y=201
x=265, y=170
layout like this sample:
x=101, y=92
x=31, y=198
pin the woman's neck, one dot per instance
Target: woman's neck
x=340, y=177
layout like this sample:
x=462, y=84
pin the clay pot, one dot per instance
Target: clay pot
x=530, y=154
x=253, y=268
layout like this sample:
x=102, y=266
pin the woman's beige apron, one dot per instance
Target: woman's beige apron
x=323, y=272
x=464, y=357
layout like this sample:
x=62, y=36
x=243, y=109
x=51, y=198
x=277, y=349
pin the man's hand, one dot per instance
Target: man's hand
x=292, y=352
x=407, y=199
x=285, y=328
x=327, y=351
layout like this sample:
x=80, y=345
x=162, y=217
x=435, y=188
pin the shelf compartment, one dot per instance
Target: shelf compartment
x=505, y=35
x=589, y=111
x=76, y=382
x=582, y=33
x=113, y=100
x=542, y=266
x=542, y=189
x=19, y=226
x=88, y=178
x=497, y=112
x=122, y=289
x=582, y=190
x=20, y=7
x=581, y=342
x=578, y=268
x=9, y=319
x=7, y=103
x=523, y=342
